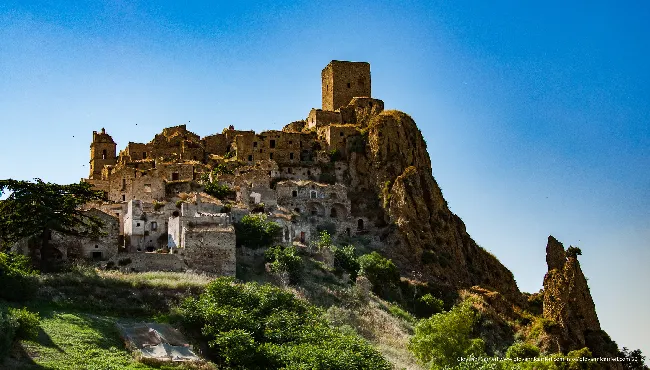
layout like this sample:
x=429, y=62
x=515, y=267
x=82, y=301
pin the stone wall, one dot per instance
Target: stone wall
x=210, y=249
x=319, y=118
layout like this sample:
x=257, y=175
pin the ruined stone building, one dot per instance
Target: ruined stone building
x=298, y=176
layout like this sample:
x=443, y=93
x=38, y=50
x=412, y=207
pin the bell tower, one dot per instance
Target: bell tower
x=102, y=152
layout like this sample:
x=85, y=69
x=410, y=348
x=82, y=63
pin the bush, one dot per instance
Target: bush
x=285, y=260
x=381, y=271
x=28, y=323
x=16, y=280
x=521, y=350
x=219, y=191
x=8, y=327
x=16, y=324
x=254, y=231
x=428, y=305
x=345, y=259
x=256, y=326
x=443, y=338
x=573, y=252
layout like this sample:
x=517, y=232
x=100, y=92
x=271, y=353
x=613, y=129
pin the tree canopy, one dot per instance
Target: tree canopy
x=35, y=209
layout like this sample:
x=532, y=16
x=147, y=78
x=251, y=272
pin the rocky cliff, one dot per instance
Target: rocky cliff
x=422, y=235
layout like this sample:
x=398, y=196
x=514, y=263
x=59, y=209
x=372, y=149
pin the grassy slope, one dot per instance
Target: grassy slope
x=79, y=310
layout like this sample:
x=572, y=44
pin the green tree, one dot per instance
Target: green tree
x=285, y=260
x=36, y=209
x=441, y=340
x=381, y=271
x=256, y=231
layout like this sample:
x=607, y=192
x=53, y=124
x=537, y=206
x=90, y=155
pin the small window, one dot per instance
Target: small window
x=175, y=176
x=97, y=256
x=137, y=224
x=270, y=155
x=254, y=144
x=290, y=155
x=313, y=194
x=348, y=85
x=341, y=134
x=272, y=144
x=144, y=155
x=194, y=158
x=290, y=170
x=360, y=224
x=290, y=142
x=260, y=150
x=297, y=209
x=154, y=225
x=104, y=154
x=294, y=193
x=147, y=188
x=123, y=184
x=333, y=212
x=96, y=246
x=123, y=198
x=250, y=158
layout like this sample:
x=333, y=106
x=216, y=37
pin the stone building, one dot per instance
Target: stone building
x=298, y=176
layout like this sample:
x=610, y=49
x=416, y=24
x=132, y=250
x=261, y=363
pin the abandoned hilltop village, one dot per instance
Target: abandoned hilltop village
x=351, y=168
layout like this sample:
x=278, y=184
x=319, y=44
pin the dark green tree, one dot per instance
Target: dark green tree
x=36, y=209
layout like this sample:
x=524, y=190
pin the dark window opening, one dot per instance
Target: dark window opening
x=260, y=150
x=104, y=154
x=175, y=214
x=348, y=85
x=290, y=155
x=175, y=176
x=370, y=104
x=150, y=249
x=289, y=170
x=314, y=212
x=137, y=224
x=96, y=246
x=194, y=158
x=347, y=231
x=294, y=193
x=123, y=197
x=308, y=173
x=360, y=224
x=250, y=158
x=341, y=134
x=333, y=212
x=123, y=184
x=270, y=155
x=144, y=155
x=272, y=144
x=297, y=210
x=290, y=142
x=254, y=144
x=97, y=255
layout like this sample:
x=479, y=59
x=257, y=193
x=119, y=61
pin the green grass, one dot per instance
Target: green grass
x=77, y=341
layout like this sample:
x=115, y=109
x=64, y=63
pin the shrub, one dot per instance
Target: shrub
x=256, y=326
x=28, y=323
x=16, y=277
x=158, y=205
x=334, y=155
x=221, y=169
x=285, y=260
x=573, y=252
x=327, y=178
x=522, y=350
x=345, y=259
x=219, y=191
x=443, y=338
x=428, y=305
x=255, y=231
x=226, y=208
x=8, y=327
x=379, y=270
x=324, y=241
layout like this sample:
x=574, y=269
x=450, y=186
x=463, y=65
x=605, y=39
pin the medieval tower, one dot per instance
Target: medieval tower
x=342, y=81
x=102, y=152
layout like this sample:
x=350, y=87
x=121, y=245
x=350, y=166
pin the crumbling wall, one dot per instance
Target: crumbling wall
x=210, y=249
x=320, y=118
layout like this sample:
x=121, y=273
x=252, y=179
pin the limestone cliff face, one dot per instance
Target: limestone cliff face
x=567, y=300
x=420, y=233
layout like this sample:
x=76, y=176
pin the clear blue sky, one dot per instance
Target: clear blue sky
x=535, y=115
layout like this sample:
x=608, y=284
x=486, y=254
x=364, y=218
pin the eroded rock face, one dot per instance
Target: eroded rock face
x=423, y=234
x=568, y=302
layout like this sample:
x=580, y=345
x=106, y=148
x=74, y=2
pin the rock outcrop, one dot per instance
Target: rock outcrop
x=421, y=233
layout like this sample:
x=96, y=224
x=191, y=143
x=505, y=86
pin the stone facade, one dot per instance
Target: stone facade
x=342, y=81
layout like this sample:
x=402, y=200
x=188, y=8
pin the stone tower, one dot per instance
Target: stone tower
x=102, y=152
x=342, y=81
